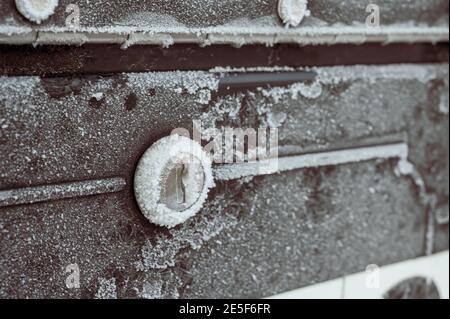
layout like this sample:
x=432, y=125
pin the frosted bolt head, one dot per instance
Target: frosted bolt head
x=292, y=12
x=172, y=180
x=36, y=10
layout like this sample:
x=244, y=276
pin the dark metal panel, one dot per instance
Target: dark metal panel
x=254, y=237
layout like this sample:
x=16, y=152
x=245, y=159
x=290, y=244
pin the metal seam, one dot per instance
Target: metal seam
x=302, y=37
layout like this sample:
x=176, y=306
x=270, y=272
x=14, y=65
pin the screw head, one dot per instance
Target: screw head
x=292, y=12
x=172, y=180
x=36, y=10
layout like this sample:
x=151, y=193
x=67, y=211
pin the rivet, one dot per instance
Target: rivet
x=292, y=12
x=36, y=10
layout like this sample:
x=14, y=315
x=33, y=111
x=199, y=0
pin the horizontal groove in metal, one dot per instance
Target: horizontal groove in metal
x=37, y=194
x=243, y=81
x=326, y=158
x=110, y=58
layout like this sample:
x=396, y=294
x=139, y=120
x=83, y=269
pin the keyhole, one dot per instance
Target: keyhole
x=181, y=188
x=182, y=185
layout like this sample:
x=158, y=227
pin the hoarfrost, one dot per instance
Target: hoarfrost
x=275, y=120
x=141, y=19
x=107, y=289
x=19, y=86
x=152, y=291
x=163, y=251
x=10, y=30
x=421, y=73
x=200, y=83
x=203, y=96
x=310, y=91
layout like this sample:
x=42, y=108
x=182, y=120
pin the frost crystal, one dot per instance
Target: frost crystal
x=107, y=289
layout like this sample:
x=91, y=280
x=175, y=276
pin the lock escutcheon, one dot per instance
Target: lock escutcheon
x=172, y=180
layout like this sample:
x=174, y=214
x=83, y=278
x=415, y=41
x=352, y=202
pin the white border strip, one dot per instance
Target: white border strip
x=434, y=267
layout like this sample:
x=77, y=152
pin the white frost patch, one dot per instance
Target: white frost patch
x=444, y=103
x=162, y=253
x=19, y=86
x=203, y=96
x=107, y=289
x=200, y=84
x=310, y=91
x=152, y=291
x=421, y=73
x=404, y=167
x=10, y=30
x=142, y=19
x=275, y=120
x=98, y=96
x=36, y=10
